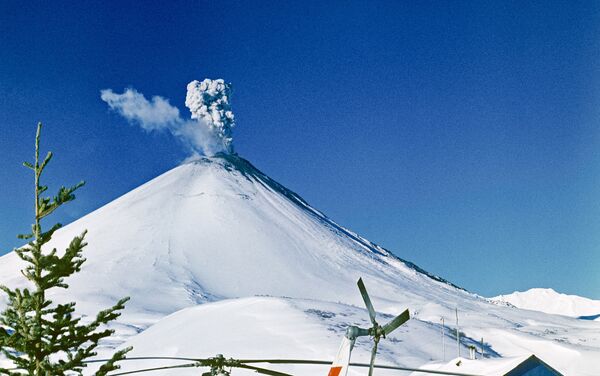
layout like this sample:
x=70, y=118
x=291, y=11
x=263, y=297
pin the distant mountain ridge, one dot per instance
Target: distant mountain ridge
x=549, y=301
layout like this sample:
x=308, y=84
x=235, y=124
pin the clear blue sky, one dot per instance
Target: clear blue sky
x=464, y=137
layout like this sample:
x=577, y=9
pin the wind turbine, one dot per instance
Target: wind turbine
x=339, y=366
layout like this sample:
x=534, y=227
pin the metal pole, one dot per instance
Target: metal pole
x=482, y=349
x=457, y=333
x=443, y=341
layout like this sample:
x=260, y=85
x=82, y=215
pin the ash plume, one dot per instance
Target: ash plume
x=208, y=132
x=208, y=102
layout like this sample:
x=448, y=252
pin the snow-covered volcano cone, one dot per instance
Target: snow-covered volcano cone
x=215, y=228
x=219, y=228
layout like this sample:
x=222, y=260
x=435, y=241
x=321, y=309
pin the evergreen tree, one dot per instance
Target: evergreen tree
x=39, y=337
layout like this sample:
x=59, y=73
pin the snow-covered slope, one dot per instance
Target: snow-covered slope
x=267, y=327
x=550, y=301
x=217, y=229
x=284, y=328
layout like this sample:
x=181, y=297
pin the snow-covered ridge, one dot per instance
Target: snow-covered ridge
x=235, y=162
x=549, y=301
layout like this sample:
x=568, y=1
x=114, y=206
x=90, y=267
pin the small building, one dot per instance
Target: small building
x=529, y=365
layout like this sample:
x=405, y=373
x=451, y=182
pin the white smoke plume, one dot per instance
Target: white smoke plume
x=209, y=131
x=133, y=106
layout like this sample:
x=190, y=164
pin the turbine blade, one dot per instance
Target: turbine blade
x=373, y=353
x=367, y=300
x=339, y=367
x=285, y=361
x=263, y=370
x=396, y=322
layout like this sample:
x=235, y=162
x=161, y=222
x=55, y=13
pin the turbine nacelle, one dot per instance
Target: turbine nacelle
x=354, y=332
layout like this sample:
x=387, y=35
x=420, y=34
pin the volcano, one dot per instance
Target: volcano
x=217, y=229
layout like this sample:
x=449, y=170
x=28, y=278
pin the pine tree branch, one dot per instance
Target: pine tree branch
x=111, y=364
x=45, y=162
x=64, y=195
